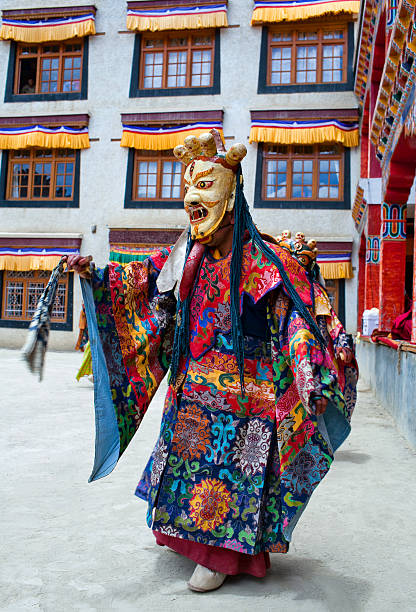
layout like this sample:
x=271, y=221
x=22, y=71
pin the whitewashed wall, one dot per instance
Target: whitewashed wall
x=103, y=166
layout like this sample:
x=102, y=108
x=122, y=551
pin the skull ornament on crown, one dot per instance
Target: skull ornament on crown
x=210, y=181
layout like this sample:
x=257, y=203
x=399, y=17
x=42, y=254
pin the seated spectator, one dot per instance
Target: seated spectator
x=28, y=87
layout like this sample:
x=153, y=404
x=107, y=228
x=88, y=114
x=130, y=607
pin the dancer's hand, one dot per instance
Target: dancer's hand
x=345, y=354
x=320, y=404
x=79, y=264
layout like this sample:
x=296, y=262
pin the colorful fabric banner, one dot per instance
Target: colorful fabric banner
x=47, y=30
x=294, y=10
x=335, y=265
x=179, y=18
x=304, y=132
x=158, y=138
x=40, y=136
x=124, y=255
x=32, y=258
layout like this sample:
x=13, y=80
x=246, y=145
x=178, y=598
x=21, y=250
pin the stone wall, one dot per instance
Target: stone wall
x=392, y=376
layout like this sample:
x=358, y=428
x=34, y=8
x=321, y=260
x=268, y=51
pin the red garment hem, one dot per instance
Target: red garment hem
x=218, y=559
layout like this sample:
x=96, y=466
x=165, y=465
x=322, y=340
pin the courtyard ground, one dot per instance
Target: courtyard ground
x=68, y=545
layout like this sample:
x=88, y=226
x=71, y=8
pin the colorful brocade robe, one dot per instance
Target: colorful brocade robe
x=228, y=469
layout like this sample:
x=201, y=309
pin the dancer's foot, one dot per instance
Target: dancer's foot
x=204, y=579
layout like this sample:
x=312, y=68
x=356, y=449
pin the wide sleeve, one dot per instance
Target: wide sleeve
x=311, y=366
x=133, y=331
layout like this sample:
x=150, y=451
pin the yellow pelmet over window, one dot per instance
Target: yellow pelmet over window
x=272, y=11
x=46, y=25
x=45, y=137
x=163, y=138
x=304, y=132
x=157, y=16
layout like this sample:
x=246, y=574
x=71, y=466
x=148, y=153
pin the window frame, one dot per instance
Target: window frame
x=265, y=58
x=151, y=156
x=136, y=91
x=328, y=204
x=315, y=157
x=37, y=203
x=131, y=184
x=13, y=74
x=339, y=294
x=66, y=325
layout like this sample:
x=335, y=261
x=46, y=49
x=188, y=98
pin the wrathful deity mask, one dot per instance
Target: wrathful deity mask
x=210, y=181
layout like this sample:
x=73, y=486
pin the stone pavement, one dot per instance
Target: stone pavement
x=69, y=545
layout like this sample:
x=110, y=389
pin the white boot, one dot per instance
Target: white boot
x=204, y=579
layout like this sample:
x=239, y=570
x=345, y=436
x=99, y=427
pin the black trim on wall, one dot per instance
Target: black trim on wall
x=67, y=326
x=328, y=204
x=10, y=96
x=135, y=92
x=304, y=87
x=130, y=203
x=74, y=203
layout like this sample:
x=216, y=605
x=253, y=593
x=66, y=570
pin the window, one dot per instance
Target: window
x=41, y=174
x=315, y=55
x=48, y=68
x=302, y=172
x=175, y=63
x=177, y=60
x=309, y=56
x=157, y=176
x=335, y=289
x=21, y=292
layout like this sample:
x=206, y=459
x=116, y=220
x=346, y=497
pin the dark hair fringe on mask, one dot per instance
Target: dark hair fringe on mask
x=242, y=222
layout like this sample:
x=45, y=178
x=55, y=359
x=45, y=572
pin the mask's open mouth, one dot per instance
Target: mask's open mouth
x=197, y=214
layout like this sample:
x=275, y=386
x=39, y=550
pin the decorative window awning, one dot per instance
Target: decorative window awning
x=50, y=24
x=21, y=254
x=128, y=245
x=45, y=132
x=176, y=15
x=334, y=259
x=161, y=131
x=304, y=132
x=335, y=265
x=272, y=11
x=123, y=255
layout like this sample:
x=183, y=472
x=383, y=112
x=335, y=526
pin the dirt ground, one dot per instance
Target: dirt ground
x=69, y=545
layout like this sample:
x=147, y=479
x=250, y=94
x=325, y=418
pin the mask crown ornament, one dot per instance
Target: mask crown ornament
x=304, y=252
x=210, y=181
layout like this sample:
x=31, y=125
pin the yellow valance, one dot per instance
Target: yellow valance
x=44, y=137
x=336, y=269
x=178, y=18
x=304, y=132
x=159, y=139
x=47, y=30
x=19, y=263
x=275, y=12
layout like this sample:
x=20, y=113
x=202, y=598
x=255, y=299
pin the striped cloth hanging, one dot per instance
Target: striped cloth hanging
x=162, y=138
x=304, y=132
x=272, y=11
x=62, y=137
x=47, y=30
x=177, y=18
x=23, y=259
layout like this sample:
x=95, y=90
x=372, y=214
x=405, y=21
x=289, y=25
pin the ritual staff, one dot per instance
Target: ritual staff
x=255, y=406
